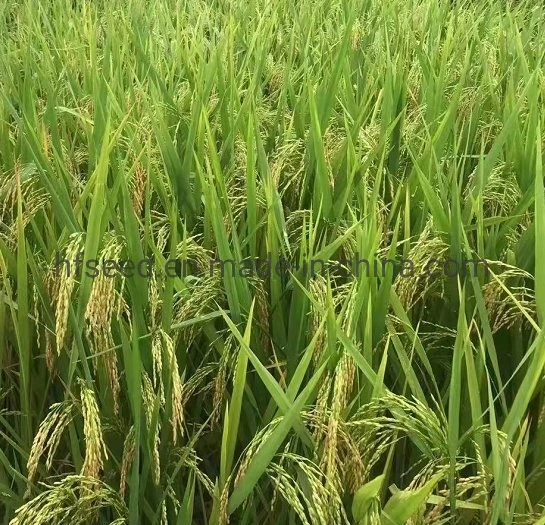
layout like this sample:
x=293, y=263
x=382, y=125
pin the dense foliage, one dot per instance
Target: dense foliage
x=316, y=129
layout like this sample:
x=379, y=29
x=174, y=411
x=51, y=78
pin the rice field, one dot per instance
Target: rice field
x=361, y=134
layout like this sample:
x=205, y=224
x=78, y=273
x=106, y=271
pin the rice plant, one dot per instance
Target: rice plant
x=382, y=161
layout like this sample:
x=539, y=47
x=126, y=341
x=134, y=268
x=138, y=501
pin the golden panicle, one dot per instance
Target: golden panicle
x=47, y=438
x=262, y=311
x=75, y=499
x=430, y=245
x=224, y=500
x=149, y=401
x=103, y=303
x=66, y=283
x=321, y=408
x=49, y=351
x=322, y=503
x=164, y=515
x=33, y=196
x=253, y=447
x=508, y=309
x=191, y=248
x=155, y=302
x=36, y=313
x=139, y=189
x=148, y=398
x=318, y=289
x=103, y=299
x=285, y=485
x=220, y=383
x=129, y=451
x=157, y=362
x=95, y=448
x=287, y=170
x=178, y=396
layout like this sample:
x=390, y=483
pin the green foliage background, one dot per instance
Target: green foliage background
x=310, y=129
